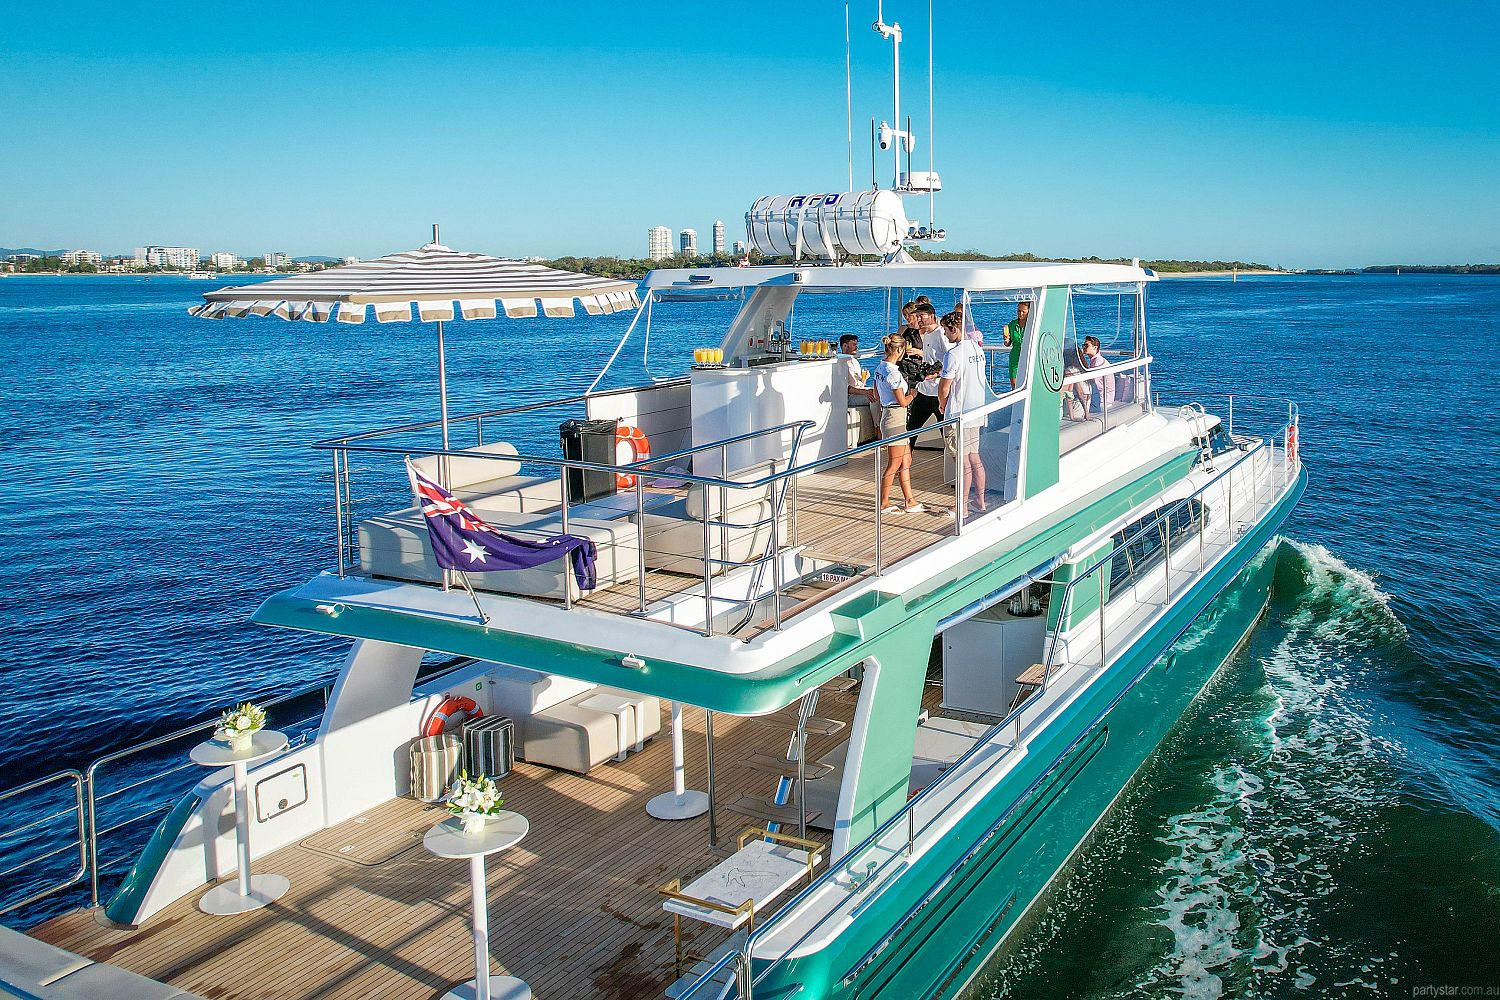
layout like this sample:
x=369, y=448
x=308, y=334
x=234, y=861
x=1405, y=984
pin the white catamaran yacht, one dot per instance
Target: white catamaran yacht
x=774, y=740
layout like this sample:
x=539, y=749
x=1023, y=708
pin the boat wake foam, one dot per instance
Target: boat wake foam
x=1249, y=869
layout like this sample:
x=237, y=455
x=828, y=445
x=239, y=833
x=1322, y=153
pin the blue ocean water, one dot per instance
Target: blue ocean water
x=1327, y=819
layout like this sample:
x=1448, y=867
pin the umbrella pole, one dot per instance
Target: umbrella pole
x=443, y=388
x=443, y=461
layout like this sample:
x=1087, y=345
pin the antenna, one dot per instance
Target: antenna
x=848, y=97
x=893, y=33
x=931, y=132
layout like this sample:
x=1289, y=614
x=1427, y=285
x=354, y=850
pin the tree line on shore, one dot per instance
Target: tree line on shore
x=635, y=268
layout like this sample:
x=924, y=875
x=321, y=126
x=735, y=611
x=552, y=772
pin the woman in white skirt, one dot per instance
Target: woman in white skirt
x=894, y=396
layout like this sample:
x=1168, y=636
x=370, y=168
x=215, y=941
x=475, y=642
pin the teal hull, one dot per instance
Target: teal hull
x=1007, y=849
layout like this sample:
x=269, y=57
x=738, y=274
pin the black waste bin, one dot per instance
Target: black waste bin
x=589, y=441
x=489, y=747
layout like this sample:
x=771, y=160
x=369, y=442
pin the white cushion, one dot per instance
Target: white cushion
x=464, y=472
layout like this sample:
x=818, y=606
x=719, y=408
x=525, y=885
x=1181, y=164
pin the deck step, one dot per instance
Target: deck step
x=779, y=766
x=764, y=809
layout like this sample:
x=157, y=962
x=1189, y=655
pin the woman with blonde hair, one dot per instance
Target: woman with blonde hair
x=895, y=395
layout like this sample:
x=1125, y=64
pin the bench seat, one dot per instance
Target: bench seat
x=397, y=546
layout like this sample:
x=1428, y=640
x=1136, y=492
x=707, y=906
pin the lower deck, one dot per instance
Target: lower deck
x=574, y=908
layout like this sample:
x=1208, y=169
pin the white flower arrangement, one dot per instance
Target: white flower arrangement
x=241, y=720
x=472, y=800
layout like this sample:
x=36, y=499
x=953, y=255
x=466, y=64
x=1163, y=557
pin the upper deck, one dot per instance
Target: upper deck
x=752, y=541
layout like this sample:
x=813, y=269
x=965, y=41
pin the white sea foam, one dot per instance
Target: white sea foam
x=1249, y=866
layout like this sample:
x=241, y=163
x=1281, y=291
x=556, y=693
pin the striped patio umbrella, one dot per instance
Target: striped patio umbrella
x=437, y=283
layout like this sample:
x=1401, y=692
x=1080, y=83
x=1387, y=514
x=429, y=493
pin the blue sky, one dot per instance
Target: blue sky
x=1313, y=134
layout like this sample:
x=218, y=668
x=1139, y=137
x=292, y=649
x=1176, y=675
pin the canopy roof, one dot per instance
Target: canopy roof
x=975, y=275
x=440, y=283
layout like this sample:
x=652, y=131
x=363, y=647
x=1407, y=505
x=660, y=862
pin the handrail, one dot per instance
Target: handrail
x=488, y=414
x=707, y=977
x=70, y=775
x=88, y=797
x=643, y=465
x=907, y=813
x=1163, y=514
x=91, y=773
x=1116, y=368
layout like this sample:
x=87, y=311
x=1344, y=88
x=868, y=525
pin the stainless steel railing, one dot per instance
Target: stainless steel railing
x=79, y=810
x=781, y=486
x=298, y=735
x=161, y=786
x=897, y=851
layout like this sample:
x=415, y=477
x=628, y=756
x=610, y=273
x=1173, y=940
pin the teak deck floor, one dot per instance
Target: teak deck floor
x=574, y=908
x=833, y=517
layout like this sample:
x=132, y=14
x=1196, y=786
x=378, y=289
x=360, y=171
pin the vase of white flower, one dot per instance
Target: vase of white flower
x=474, y=801
x=238, y=725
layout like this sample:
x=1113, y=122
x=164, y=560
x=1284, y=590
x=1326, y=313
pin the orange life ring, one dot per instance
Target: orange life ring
x=1291, y=442
x=450, y=709
x=634, y=439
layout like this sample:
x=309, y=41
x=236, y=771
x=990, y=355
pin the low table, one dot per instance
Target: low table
x=620, y=505
x=249, y=892
x=448, y=840
x=728, y=894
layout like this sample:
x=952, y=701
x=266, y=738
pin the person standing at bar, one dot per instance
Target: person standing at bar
x=934, y=348
x=1013, y=332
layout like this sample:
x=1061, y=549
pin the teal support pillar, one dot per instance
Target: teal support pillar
x=1044, y=390
x=878, y=765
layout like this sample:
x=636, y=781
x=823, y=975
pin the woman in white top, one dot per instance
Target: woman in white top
x=894, y=395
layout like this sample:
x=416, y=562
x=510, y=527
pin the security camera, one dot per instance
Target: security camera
x=887, y=134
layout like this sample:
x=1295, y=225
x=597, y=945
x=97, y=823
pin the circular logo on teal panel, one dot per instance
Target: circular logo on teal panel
x=1052, y=364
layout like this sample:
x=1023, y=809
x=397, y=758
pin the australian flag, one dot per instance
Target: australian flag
x=462, y=540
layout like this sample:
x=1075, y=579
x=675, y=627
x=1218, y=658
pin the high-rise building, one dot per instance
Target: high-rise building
x=275, y=261
x=75, y=257
x=659, y=243
x=687, y=242
x=719, y=236
x=739, y=248
x=225, y=262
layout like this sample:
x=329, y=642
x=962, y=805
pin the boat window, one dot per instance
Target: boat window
x=988, y=317
x=1146, y=547
x=1110, y=315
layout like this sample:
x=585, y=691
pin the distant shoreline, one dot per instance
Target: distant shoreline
x=1220, y=274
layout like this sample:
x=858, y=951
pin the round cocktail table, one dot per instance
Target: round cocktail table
x=447, y=840
x=249, y=892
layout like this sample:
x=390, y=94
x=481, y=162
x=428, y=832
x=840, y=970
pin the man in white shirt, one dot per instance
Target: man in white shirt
x=960, y=389
x=934, y=347
x=855, y=375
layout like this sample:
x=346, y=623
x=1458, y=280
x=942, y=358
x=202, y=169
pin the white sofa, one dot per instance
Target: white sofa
x=397, y=546
x=553, y=728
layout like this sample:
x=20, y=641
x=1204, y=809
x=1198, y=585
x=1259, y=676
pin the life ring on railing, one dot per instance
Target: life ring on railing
x=639, y=446
x=1291, y=443
x=462, y=709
